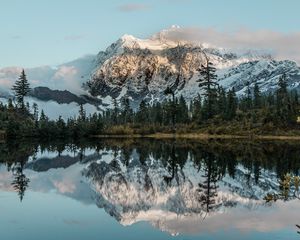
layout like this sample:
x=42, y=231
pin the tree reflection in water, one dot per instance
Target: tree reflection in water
x=214, y=159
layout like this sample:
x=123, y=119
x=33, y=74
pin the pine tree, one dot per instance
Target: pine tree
x=21, y=89
x=231, y=105
x=197, y=109
x=127, y=112
x=257, y=96
x=44, y=125
x=82, y=113
x=248, y=99
x=208, y=82
x=115, y=113
x=285, y=111
x=142, y=114
x=43, y=116
x=170, y=91
x=222, y=103
x=95, y=126
x=270, y=100
x=35, y=112
x=182, y=113
x=207, y=189
x=296, y=98
x=61, y=127
x=20, y=182
x=158, y=114
x=10, y=105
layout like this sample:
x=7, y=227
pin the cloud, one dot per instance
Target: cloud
x=73, y=37
x=281, y=45
x=8, y=76
x=133, y=7
x=65, y=186
x=67, y=77
x=5, y=84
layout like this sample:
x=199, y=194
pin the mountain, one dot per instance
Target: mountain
x=143, y=68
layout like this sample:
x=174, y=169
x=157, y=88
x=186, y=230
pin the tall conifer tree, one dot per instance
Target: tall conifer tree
x=21, y=89
x=208, y=82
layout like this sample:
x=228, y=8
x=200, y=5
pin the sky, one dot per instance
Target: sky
x=44, y=32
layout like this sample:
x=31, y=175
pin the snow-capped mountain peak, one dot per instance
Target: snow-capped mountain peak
x=155, y=43
x=143, y=68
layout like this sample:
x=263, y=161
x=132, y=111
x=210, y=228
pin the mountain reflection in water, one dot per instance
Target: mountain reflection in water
x=178, y=186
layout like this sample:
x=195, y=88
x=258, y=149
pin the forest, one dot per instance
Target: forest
x=214, y=111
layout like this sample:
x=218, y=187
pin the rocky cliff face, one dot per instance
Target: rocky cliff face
x=143, y=68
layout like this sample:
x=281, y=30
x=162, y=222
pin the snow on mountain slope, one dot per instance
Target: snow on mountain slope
x=143, y=68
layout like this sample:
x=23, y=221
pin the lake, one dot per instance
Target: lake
x=149, y=189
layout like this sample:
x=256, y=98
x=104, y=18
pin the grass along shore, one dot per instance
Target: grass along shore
x=210, y=131
x=201, y=136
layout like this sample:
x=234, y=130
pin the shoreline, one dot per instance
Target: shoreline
x=201, y=136
x=183, y=136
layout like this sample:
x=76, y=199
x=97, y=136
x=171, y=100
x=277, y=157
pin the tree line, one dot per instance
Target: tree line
x=212, y=107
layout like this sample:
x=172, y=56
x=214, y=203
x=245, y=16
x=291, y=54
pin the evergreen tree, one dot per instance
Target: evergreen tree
x=208, y=188
x=61, y=127
x=170, y=91
x=95, y=124
x=208, y=82
x=182, y=113
x=82, y=113
x=270, y=100
x=43, y=116
x=35, y=113
x=285, y=111
x=257, y=96
x=295, y=97
x=10, y=105
x=44, y=125
x=222, y=103
x=142, y=114
x=115, y=113
x=127, y=112
x=248, y=99
x=21, y=89
x=231, y=105
x=20, y=182
x=197, y=109
x=157, y=115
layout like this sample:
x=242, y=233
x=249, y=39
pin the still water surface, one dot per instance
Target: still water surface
x=148, y=189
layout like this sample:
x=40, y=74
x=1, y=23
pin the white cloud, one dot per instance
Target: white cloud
x=66, y=78
x=282, y=45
